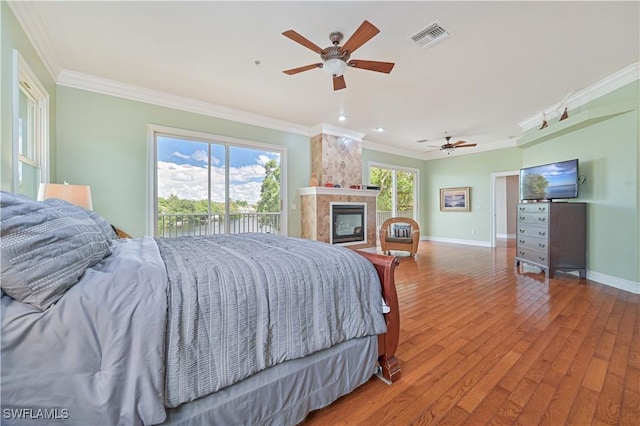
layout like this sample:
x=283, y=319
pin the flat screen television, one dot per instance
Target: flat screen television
x=552, y=181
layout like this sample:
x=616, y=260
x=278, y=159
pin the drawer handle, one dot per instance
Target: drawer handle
x=541, y=258
x=521, y=252
x=521, y=209
x=522, y=231
x=542, y=233
x=522, y=217
x=521, y=241
x=541, y=245
x=542, y=219
x=542, y=209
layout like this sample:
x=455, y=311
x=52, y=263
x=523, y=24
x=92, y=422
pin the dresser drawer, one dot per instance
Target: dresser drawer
x=532, y=231
x=541, y=218
x=536, y=256
x=541, y=244
x=533, y=208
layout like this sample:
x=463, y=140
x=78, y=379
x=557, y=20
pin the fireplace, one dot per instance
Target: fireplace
x=348, y=223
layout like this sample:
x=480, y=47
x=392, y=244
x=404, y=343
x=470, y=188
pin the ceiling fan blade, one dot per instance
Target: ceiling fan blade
x=303, y=41
x=338, y=82
x=465, y=146
x=363, y=34
x=458, y=143
x=301, y=69
x=384, y=67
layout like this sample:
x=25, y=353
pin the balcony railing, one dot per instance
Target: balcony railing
x=188, y=224
x=382, y=216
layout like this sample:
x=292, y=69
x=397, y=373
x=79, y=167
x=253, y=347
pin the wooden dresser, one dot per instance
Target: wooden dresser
x=552, y=236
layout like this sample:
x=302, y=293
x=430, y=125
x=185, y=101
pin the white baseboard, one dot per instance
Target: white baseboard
x=508, y=236
x=456, y=241
x=616, y=282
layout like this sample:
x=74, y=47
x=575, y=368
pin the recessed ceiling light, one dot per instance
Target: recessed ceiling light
x=380, y=129
x=342, y=117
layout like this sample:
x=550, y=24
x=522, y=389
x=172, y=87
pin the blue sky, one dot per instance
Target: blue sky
x=181, y=151
x=182, y=170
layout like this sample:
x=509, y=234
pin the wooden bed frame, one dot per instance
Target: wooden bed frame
x=388, y=343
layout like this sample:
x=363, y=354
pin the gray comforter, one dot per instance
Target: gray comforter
x=96, y=356
x=241, y=303
x=126, y=341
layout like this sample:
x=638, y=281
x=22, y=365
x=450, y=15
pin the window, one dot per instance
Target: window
x=205, y=184
x=30, y=129
x=398, y=191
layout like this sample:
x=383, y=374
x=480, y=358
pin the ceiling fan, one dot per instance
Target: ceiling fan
x=335, y=58
x=449, y=147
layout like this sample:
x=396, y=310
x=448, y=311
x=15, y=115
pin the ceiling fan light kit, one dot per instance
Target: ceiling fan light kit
x=335, y=58
x=334, y=67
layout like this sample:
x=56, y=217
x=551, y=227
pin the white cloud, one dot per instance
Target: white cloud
x=246, y=173
x=190, y=182
x=181, y=176
x=200, y=156
x=179, y=154
x=262, y=159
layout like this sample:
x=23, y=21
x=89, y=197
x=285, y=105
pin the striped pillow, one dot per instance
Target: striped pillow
x=401, y=230
x=44, y=249
x=105, y=226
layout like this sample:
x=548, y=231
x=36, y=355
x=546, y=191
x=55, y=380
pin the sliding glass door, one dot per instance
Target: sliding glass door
x=213, y=187
x=398, y=191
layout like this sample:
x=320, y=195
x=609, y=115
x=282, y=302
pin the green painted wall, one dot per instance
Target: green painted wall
x=609, y=159
x=104, y=144
x=13, y=37
x=474, y=171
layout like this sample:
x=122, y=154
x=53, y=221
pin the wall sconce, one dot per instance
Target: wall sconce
x=80, y=195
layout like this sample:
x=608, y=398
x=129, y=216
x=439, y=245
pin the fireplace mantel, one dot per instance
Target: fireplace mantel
x=315, y=203
x=326, y=190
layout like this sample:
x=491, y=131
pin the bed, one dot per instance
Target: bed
x=228, y=329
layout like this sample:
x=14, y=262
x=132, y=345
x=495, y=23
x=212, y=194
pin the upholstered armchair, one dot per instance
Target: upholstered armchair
x=400, y=233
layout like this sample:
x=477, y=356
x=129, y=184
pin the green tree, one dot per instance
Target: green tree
x=270, y=191
x=404, y=188
x=383, y=179
x=536, y=185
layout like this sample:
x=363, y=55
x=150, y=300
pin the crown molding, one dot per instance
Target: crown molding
x=391, y=150
x=35, y=30
x=136, y=93
x=607, y=85
x=340, y=132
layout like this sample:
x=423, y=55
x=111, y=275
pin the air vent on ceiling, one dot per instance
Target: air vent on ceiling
x=432, y=34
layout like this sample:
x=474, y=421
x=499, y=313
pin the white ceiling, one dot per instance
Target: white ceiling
x=505, y=61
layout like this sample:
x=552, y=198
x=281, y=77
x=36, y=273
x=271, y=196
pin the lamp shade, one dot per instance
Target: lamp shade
x=80, y=195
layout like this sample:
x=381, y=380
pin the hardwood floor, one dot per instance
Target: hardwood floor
x=482, y=343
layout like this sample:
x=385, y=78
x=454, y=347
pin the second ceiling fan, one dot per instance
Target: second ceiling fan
x=336, y=58
x=449, y=147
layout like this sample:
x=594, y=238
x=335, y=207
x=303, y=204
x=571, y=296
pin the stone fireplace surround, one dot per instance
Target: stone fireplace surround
x=336, y=158
x=316, y=211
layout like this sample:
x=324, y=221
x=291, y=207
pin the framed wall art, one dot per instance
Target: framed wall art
x=455, y=199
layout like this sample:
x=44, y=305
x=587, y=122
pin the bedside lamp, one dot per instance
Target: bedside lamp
x=80, y=195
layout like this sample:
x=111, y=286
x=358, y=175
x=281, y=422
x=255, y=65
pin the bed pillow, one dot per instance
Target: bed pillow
x=44, y=249
x=102, y=223
x=401, y=230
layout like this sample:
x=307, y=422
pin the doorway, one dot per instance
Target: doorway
x=504, y=197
